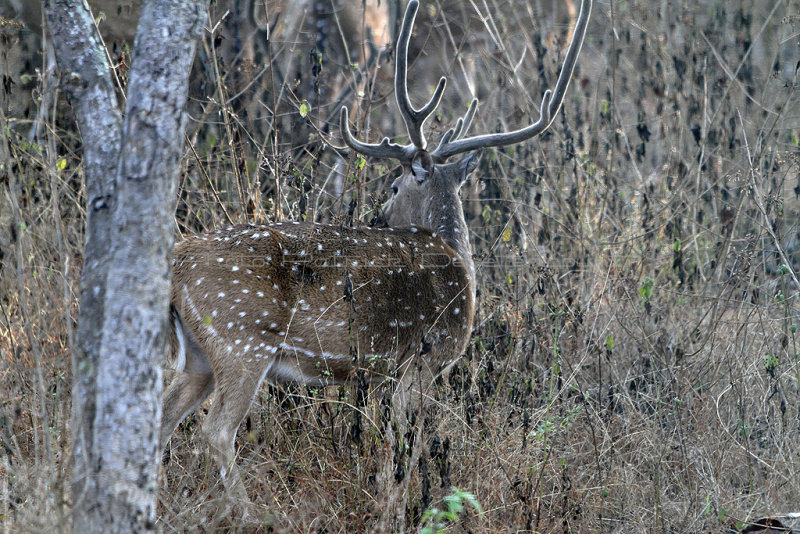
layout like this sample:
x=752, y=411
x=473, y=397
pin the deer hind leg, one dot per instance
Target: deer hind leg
x=413, y=390
x=236, y=386
x=409, y=400
x=193, y=382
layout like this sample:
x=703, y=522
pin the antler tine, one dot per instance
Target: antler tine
x=452, y=133
x=384, y=149
x=413, y=118
x=570, y=59
x=551, y=102
x=461, y=127
x=468, y=116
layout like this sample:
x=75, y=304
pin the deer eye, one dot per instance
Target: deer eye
x=394, y=189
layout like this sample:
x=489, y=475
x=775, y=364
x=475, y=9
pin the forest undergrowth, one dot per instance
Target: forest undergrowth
x=635, y=361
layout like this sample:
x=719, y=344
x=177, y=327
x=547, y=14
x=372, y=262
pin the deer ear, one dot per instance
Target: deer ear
x=421, y=166
x=468, y=164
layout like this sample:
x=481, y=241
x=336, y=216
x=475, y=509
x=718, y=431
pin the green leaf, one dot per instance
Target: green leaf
x=646, y=289
x=609, y=342
x=487, y=214
x=360, y=162
x=305, y=107
x=61, y=164
x=506, y=235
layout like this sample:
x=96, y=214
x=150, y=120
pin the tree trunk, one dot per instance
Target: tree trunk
x=87, y=80
x=131, y=171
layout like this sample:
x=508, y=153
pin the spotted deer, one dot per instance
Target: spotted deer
x=317, y=304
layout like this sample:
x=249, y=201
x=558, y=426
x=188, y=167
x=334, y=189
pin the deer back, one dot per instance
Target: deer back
x=315, y=303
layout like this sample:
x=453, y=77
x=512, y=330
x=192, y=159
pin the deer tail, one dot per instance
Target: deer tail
x=177, y=339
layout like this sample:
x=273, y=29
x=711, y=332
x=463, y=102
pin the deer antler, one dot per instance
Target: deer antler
x=461, y=127
x=452, y=142
x=384, y=149
x=551, y=102
x=414, y=118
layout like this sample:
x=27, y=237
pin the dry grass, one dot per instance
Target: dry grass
x=635, y=361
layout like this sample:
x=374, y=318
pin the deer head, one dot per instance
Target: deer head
x=317, y=304
x=426, y=194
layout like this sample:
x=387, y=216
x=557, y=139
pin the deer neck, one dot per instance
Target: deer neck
x=446, y=219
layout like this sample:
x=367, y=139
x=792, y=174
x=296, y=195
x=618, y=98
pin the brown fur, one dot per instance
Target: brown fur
x=321, y=302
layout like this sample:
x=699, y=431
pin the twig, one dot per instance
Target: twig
x=760, y=204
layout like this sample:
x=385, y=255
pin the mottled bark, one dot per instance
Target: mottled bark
x=86, y=77
x=131, y=175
